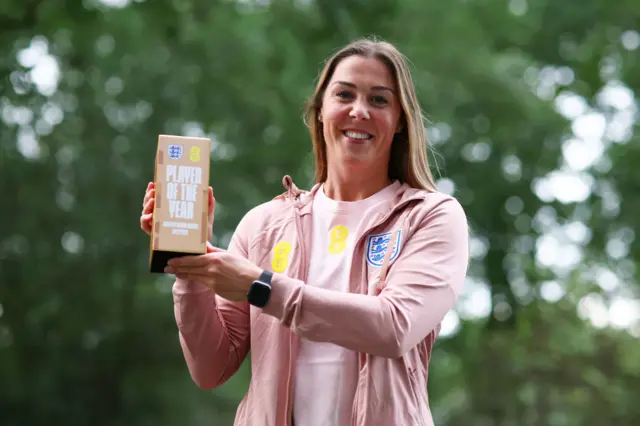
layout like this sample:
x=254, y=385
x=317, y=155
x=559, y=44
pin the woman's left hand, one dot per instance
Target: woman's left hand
x=228, y=275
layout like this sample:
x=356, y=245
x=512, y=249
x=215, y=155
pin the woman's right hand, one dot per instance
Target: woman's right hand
x=146, y=218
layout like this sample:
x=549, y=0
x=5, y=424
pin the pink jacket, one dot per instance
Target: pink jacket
x=391, y=317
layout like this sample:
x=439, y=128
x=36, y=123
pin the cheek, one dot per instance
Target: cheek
x=334, y=113
x=387, y=123
x=326, y=130
x=387, y=127
x=392, y=119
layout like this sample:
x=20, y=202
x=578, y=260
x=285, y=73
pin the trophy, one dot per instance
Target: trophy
x=181, y=199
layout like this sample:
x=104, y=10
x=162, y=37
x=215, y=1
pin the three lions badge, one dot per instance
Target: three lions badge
x=377, y=246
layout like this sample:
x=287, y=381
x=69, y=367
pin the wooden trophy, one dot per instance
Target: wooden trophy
x=182, y=197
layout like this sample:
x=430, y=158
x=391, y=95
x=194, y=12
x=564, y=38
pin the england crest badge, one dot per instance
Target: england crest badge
x=377, y=246
x=175, y=151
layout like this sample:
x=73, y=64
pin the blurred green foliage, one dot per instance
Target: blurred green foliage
x=533, y=117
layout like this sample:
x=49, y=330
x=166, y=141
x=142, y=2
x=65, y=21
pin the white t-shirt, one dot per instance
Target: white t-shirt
x=326, y=374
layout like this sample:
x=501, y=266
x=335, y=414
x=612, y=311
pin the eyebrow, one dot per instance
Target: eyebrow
x=346, y=83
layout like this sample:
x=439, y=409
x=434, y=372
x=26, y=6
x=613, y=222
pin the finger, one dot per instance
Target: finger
x=145, y=222
x=212, y=249
x=187, y=277
x=190, y=261
x=184, y=276
x=149, y=185
x=196, y=271
x=148, y=207
x=150, y=195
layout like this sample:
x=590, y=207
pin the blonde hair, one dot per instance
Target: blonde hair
x=408, y=161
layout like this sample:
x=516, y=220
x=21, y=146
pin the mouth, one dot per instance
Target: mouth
x=357, y=136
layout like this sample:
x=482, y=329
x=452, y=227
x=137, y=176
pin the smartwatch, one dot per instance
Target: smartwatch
x=260, y=290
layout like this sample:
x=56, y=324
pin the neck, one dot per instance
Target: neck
x=354, y=185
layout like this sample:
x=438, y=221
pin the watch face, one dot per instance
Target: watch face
x=259, y=294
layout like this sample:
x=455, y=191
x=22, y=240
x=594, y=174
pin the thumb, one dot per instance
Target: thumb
x=212, y=249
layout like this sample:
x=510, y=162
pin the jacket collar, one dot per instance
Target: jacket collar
x=301, y=198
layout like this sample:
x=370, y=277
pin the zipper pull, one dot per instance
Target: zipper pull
x=379, y=286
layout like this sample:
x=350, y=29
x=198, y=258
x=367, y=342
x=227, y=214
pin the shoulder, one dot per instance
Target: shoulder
x=444, y=207
x=435, y=207
x=262, y=222
x=275, y=213
x=443, y=222
x=266, y=215
x=440, y=235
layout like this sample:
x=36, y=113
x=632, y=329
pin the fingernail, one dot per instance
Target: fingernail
x=168, y=270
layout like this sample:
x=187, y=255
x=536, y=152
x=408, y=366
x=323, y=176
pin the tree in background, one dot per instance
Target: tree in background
x=532, y=113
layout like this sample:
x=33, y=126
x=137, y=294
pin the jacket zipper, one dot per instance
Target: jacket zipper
x=359, y=241
x=304, y=276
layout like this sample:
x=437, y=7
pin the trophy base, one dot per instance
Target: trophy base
x=160, y=258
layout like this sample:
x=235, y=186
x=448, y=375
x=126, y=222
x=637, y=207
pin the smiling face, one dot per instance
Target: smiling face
x=360, y=114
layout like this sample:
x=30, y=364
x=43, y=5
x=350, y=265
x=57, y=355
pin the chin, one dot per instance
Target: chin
x=355, y=162
x=355, y=156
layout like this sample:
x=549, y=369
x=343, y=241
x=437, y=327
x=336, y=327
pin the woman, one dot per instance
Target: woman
x=339, y=291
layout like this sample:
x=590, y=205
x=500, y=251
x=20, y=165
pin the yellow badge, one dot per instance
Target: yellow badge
x=194, y=153
x=338, y=239
x=280, y=256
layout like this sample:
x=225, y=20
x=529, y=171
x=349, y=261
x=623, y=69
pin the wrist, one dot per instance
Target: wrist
x=251, y=276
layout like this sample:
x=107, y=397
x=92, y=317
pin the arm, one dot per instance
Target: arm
x=422, y=286
x=214, y=332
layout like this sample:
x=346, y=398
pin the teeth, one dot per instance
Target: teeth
x=357, y=135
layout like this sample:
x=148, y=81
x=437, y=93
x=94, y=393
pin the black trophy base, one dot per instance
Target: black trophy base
x=160, y=258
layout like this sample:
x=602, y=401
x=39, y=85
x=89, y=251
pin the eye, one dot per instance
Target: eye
x=344, y=94
x=379, y=100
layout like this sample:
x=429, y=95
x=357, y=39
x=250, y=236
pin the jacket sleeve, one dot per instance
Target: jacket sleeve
x=421, y=287
x=213, y=332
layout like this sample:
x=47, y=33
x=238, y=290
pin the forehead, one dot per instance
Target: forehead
x=364, y=71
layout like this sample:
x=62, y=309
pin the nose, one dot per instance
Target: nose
x=359, y=111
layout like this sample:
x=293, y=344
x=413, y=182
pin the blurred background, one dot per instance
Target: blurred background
x=533, y=116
